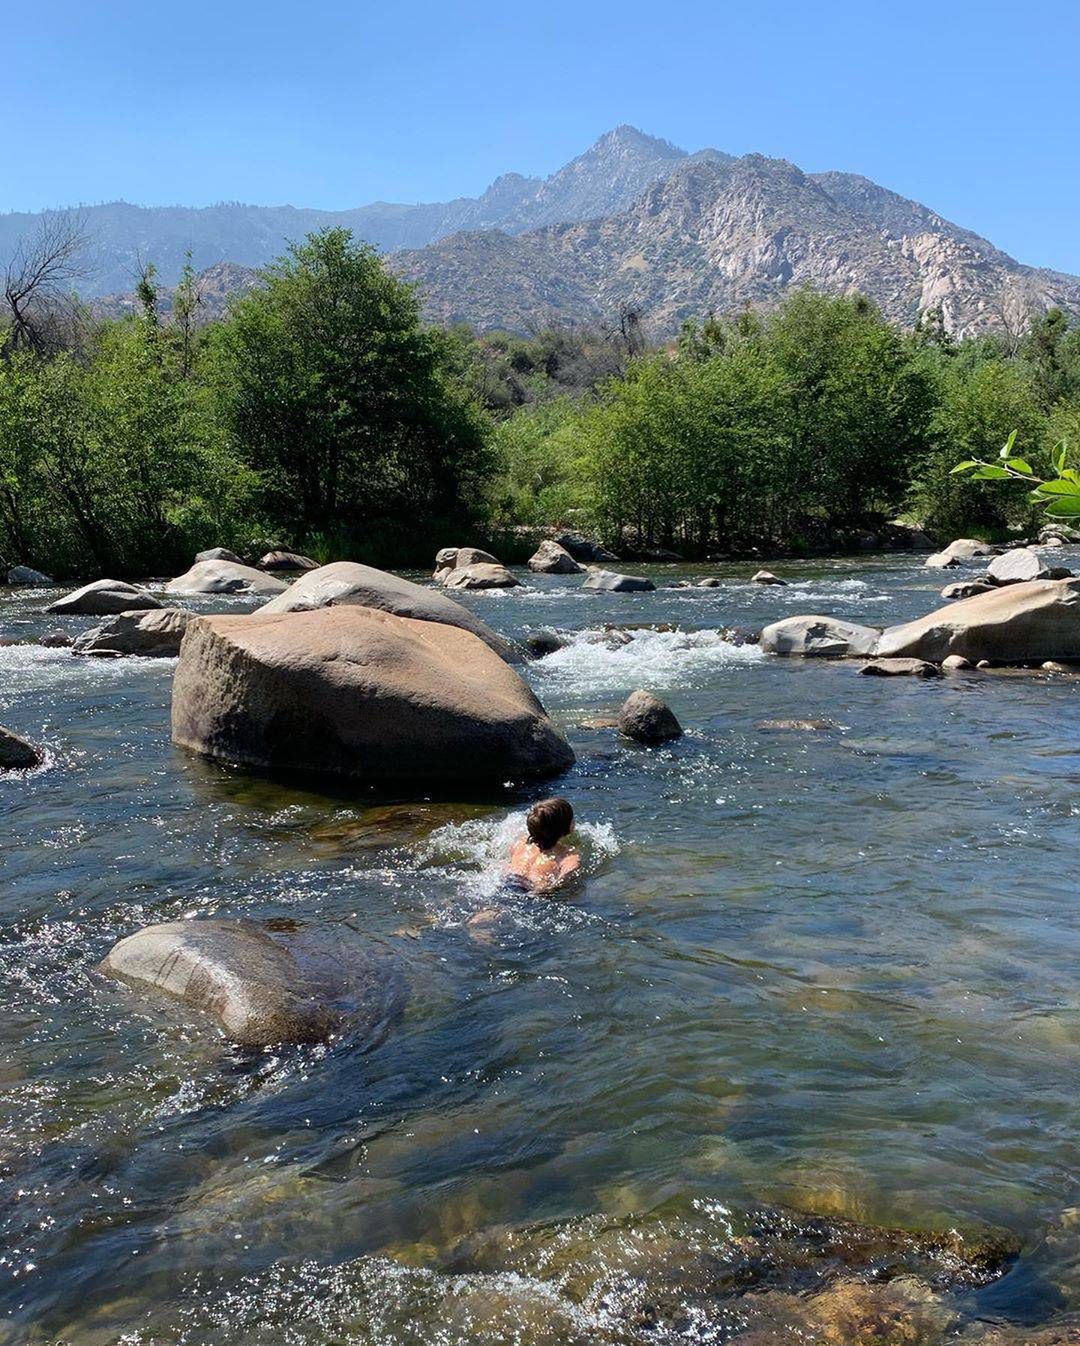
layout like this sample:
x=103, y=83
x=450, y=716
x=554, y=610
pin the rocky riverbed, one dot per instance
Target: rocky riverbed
x=795, y=1061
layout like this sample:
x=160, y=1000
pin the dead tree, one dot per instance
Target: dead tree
x=39, y=285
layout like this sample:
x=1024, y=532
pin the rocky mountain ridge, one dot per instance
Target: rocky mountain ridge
x=633, y=222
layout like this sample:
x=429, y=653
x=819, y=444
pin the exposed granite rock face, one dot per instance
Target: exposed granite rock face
x=717, y=233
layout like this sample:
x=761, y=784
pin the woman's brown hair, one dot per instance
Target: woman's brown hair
x=549, y=821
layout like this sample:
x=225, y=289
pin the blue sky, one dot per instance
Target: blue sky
x=968, y=107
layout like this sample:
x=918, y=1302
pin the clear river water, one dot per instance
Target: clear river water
x=830, y=972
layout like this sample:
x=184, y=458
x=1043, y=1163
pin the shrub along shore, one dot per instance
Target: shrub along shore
x=321, y=412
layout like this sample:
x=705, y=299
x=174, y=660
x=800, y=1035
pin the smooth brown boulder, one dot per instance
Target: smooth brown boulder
x=901, y=668
x=481, y=575
x=1020, y=623
x=224, y=577
x=289, y=561
x=551, y=559
x=646, y=719
x=153, y=635
x=263, y=986
x=104, y=598
x=819, y=637
x=355, y=692
x=349, y=584
x=17, y=753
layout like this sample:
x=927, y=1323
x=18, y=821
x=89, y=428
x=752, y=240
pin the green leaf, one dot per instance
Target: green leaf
x=1018, y=465
x=1060, y=456
x=1008, y=446
x=1063, y=507
x=1055, y=488
x=966, y=466
x=988, y=472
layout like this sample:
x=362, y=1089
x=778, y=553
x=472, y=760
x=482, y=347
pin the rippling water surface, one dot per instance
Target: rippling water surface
x=830, y=972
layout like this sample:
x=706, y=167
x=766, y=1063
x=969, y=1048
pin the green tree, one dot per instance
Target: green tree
x=328, y=385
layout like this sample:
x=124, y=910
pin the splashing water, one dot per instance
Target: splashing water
x=593, y=662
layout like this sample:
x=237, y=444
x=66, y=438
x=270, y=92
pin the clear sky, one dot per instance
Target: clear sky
x=968, y=107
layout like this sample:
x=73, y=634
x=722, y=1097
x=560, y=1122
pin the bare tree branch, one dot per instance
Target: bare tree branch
x=39, y=283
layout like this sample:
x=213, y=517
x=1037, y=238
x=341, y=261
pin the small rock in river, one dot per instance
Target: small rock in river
x=898, y=668
x=646, y=719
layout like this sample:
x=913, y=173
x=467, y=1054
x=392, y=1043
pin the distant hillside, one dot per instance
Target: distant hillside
x=122, y=238
x=632, y=221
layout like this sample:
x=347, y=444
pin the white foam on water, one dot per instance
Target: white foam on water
x=592, y=662
x=35, y=667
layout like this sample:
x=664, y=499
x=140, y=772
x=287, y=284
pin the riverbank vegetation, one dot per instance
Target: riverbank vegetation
x=322, y=412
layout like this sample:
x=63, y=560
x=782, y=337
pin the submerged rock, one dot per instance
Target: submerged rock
x=646, y=719
x=263, y=986
x=55, y=640
x=224, y=577
x=899, y=668
x=356, y=692
x=552, y=559
x=766, y=577
x=27, y=575
x=153, y=635
x=289, y=561
x=805, y=726
x=955, y=663
x=819, y=637
x=708, y=582
x=17, y=753
x=103, y=598
x=1020, y=623
x=349, y=584
x=542, y=643
x=613, y=582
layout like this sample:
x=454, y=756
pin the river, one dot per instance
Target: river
x=828, y=971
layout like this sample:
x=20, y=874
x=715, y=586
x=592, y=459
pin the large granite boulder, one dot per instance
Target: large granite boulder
x=644, y=718
x=349, y=584
x=1020, y=623
x=551, y=559
x=103, y=598
x=153, y=635
x=482, y=575
x=455, y=558
x=613, y=582
x=27, y=575
x=263, y=986
x=1019, y=566
x=356, y=692
x=961, y=552
x=16, y=753
x=819, y=637
x=225, y=577
x=288, y=561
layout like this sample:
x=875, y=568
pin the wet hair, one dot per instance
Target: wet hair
x=549, y=821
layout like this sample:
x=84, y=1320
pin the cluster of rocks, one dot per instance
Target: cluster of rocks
x=1031, y=623
x=471, y=568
